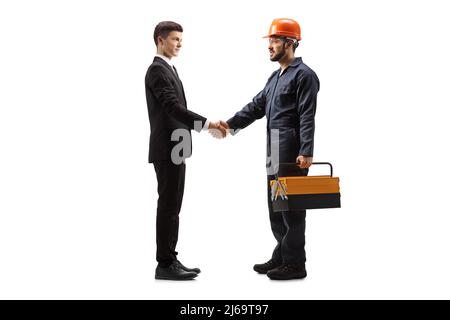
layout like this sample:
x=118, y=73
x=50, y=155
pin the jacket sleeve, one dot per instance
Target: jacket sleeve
x=307, y=100
x=254, y=110
x=165, y=94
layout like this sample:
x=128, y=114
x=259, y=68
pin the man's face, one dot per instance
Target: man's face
x=276, y=48
x=172, y=44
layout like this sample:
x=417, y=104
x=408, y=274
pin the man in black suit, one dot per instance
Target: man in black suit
x=170, y=145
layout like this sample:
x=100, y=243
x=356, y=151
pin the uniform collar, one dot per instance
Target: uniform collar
x=296, y=62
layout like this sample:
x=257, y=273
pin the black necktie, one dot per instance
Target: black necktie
x=179, y=81
x=176, y=73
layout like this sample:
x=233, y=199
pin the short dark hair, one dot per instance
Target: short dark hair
x=163, y=29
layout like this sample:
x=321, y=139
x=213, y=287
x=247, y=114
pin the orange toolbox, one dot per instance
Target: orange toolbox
x=294, y=191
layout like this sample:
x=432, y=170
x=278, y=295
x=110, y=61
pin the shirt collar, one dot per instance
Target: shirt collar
x=294, y=63
x=169, y=62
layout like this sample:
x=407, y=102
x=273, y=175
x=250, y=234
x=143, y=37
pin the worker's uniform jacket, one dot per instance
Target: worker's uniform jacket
x=289, y=103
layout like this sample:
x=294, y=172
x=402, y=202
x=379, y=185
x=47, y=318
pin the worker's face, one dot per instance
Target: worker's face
x=171, y=45
x=277, y=48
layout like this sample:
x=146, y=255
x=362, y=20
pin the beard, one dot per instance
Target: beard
x=279, y=55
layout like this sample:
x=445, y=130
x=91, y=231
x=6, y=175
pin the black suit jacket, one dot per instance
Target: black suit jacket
x=167, y=110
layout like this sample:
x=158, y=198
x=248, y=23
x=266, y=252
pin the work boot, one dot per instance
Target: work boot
x=266, y=266
x=287, y=272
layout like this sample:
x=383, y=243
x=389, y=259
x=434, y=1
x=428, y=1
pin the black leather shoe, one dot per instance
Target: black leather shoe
x=173, y=272
x=266, y=266
x=287, y=272
x=196, y=270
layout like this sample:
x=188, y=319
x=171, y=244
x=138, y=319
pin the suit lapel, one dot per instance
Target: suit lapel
x=180, y=83
x=174, y=75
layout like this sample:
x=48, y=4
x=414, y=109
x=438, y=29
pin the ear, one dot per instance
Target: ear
x=287, y=44
x=291, y=43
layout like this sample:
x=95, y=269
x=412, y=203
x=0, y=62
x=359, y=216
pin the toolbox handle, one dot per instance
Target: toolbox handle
x=326, y=163
x=319, y=163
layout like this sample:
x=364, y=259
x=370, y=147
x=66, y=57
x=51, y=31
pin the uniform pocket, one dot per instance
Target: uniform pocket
x=287, y=95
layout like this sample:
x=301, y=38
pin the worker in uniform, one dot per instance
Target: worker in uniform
x=288, y=101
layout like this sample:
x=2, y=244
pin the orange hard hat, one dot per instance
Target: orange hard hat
x=284, y=27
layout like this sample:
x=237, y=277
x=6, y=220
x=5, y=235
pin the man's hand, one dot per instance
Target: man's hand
x=304, y=161
x=224, y=124
x=218, y=129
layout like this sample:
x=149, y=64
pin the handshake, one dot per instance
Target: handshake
x=218, y=129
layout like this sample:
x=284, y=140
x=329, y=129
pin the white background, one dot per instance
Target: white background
x=78, y=198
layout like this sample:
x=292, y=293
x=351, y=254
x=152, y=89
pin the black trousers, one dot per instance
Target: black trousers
x=170, y=189
x=288, y=228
